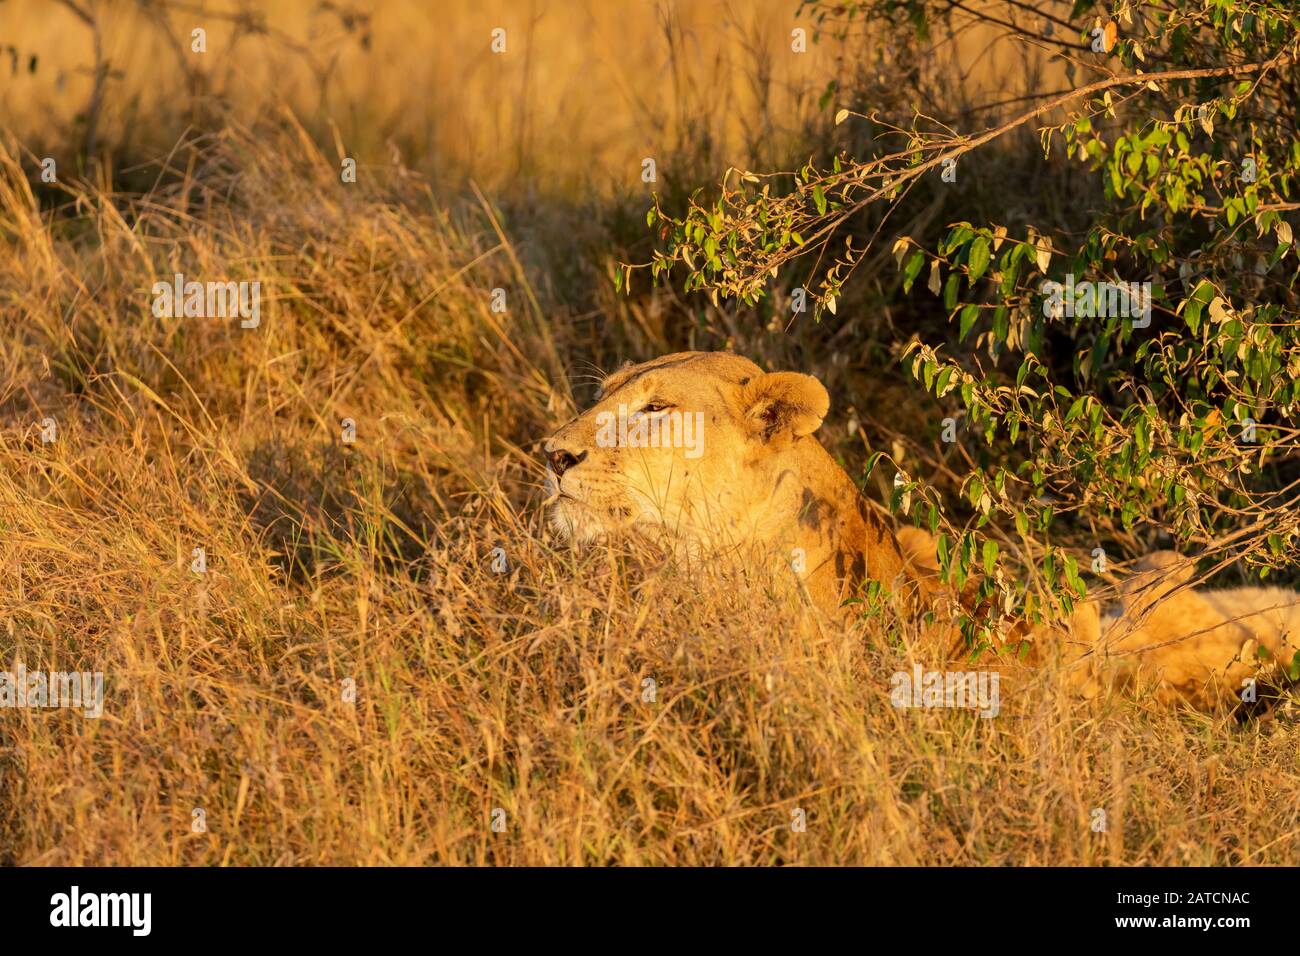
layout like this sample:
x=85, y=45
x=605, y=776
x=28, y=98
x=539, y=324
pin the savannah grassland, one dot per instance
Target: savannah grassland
x=371, y=561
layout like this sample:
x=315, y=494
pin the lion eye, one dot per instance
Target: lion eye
x=651, y=407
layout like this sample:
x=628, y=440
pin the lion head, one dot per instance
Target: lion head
x=677, y=443
x=711, y=451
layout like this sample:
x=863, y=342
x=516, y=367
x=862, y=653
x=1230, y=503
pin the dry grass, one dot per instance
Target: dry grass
x=476, y=689
x=585, y=91
x=372, y=562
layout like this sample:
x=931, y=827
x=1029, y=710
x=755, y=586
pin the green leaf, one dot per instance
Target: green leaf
x=990, y=556
x=978, y=259
x=912, y=268
x=950, y=289
x=871, y=464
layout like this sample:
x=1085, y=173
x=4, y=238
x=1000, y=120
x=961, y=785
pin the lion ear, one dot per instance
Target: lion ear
x=784, y=402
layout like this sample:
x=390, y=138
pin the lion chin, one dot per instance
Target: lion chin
x=581, y=523
x=574, y=522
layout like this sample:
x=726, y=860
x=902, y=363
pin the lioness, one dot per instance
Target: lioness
x=711, y=453
x=709, y=448
x=1198, y=645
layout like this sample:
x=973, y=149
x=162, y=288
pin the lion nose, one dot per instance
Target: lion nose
x=561, y=460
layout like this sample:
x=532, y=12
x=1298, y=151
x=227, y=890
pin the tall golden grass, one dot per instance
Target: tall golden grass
x=518, y=695
x=477, y=690
x=585, y=90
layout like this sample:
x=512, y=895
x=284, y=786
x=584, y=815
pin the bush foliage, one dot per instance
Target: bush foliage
x=1170, y=415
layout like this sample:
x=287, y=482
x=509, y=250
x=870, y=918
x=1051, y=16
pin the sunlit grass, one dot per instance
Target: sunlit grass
x=476, y=691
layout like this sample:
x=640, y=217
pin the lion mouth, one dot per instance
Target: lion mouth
x=562, y=501
x=556, y=494
x=578, y=519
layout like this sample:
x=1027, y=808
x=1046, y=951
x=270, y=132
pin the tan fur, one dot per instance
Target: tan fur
x=762, y=486
x=1194, y=645
x=762, y=483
